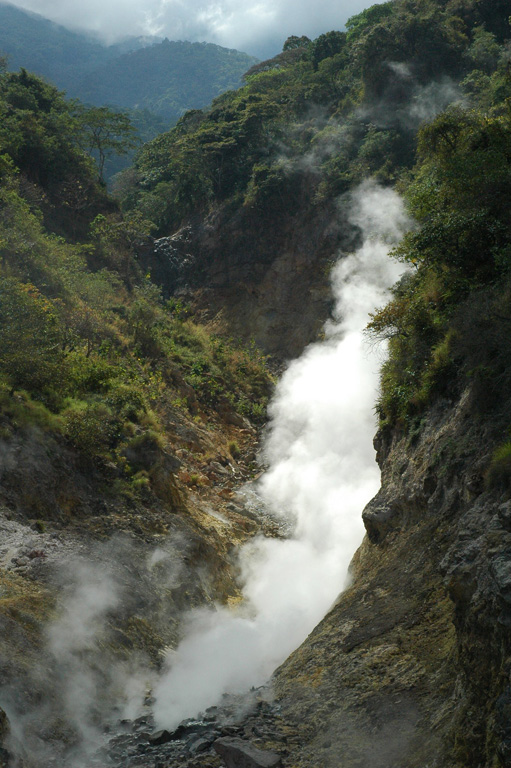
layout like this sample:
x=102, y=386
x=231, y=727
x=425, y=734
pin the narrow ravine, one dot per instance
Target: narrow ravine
x=322, y=473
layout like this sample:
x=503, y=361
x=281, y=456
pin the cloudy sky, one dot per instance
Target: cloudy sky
x=256, y=26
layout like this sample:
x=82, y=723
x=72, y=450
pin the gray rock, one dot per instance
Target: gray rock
x=237, y=753
x=379, y=518
x=4, y=734
x=504, y=513
x=161, y=737
x=500, y=568
x=199, y=745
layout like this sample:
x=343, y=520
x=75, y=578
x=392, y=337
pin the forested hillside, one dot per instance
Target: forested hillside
x=52, y=51
x=154, y=82
x=90, y=352
x=164, y=77
x=267, y=163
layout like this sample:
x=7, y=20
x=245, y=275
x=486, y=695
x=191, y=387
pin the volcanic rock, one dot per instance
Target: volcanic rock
x=237, y=753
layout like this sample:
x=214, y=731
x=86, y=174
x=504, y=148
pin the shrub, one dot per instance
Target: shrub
x=234, y=449
x=127, y=402
x=90, y=428
x=88, y=374
x=143, y=451
x=498, y=474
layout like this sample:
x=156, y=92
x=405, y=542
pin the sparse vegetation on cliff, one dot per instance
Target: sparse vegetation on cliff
x=448, y=321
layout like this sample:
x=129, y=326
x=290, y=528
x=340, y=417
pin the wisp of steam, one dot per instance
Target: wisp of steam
x=322, y=473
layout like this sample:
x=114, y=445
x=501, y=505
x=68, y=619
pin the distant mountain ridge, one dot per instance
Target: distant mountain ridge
x=164, y=77
x=48, y=49
x=167, y=78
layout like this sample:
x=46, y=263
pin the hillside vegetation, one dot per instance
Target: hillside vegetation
x=46, y=48
x=165, y=78
x=415, y=93
x=90, y=354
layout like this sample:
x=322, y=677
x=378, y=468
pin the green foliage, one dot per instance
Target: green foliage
x=39, y=133
x=143, y=451
x=105, y=133
x=498, y=474
x=218, y=369
x=306, y=126
x=89, y=427
x=448, y=324
x=461, y=195
x=89, y=351
x=30, y=340
x=356, y=25
x=271, y=191
x=293, y=42
x=166, y=78
x=325, y=46
x=36, y=130
x=234, y=449
x=50, y=50
x=363, y=85
x=127, y=401
x=484, y=51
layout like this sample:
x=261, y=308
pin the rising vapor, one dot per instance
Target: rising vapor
x=322, y=474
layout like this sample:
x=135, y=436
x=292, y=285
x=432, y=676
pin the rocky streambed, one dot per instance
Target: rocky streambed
x=243, y=731
x=58, y=637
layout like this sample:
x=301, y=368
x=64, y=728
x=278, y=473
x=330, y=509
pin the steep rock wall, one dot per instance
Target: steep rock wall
x=411, y=666
x=269, y=284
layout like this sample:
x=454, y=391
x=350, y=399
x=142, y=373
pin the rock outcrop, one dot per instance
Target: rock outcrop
x=237, y=753
x=4, y=736
x=270, y=284
x=411, y=666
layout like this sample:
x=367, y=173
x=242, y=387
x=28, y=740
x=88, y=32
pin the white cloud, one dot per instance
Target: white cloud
x=257, y=26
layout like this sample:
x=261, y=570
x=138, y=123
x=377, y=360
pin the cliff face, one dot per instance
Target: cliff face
x=268, y=284
x=411, y=665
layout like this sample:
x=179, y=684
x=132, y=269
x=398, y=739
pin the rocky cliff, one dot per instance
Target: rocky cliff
x=269, y=285
x=411, y=665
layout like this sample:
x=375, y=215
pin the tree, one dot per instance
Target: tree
x=105, y=133
x=296, y=42
x=325, y=46
x=356, y=25
x=30, y=339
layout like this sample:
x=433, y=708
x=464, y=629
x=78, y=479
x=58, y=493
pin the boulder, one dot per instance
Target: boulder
x=197, y=745
x=379, y=518
x=237, y=753
x=160, y=737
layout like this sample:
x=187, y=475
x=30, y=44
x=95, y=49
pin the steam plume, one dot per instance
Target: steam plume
x=322, y=474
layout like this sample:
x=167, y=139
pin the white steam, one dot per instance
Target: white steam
x=322, y=474
x=73, y=641
x=78, y=686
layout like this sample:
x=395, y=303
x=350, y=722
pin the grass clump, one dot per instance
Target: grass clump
x=234, y=449
x=498, y=474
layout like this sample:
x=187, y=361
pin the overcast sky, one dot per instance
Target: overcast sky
x=256, y=26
